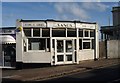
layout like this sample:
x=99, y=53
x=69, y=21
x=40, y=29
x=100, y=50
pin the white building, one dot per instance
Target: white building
x=56, y=42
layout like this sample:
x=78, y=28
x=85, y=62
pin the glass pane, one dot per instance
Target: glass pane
x=58, y=33
x=75, y=56
x=45, y=32
x=33, y=42
x=92, y=33
x=80, y=44
x=35, y=46
x=86, y=45
x=80, y=33
x=69, y=57
x=71, y=33
x=27, y=32
x=60, y=58
x=36, y=32
x=48, y=45
x=42, y=44
x=75, y=44
x=53, y=44
x=86, y=33
x=60, y=46
x=68, y=46
x=93, y=43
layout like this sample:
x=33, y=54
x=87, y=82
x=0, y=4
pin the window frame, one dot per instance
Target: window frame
x=72, y=29
x=89, y=45
x=62, y=29
x=86, y=40
x=47, y=48
x=85, y=33
x=39, y=32
x=27, y=32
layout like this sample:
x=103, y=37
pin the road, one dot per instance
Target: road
x=108, y=75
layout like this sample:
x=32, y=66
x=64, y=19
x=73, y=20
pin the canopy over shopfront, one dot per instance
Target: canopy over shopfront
x=7, y=39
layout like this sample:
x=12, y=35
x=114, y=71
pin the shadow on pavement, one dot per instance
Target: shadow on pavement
x=8, y=80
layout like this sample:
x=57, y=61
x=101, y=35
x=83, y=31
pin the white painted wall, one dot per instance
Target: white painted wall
x=19, y=43
x=97, y=42
x=37, y=57
x=19, y=47
x=86, y=54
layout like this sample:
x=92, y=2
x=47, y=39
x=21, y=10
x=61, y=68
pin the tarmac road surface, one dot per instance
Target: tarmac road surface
x=107, y=75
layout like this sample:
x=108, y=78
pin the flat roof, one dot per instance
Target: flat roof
x=7, y=27
x=75, y=21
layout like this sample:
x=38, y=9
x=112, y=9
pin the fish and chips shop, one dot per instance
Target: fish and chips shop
x=56, y=42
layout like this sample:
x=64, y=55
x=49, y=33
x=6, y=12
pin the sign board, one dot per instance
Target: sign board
x=7, y=31
x=64, y=25
x=85, y=26
x=34, y=24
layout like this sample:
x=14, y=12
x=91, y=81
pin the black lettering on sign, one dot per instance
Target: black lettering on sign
x=64, y=25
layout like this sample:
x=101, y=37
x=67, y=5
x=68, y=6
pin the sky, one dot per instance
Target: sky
x=99, y=12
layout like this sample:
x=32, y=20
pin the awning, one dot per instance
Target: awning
x=6, y=39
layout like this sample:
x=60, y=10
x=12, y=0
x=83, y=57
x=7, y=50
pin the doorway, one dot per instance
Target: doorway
x=65, y=51
x=9, y=56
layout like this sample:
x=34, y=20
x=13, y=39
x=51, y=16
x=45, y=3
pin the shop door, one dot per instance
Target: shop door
x=65, y=51
x=9, y=56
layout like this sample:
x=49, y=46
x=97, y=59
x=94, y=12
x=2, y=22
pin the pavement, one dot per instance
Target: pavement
x=44, y=73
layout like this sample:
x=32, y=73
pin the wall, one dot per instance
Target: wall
x=37, y=57
x=113, y=48
x=102, y=49
x=19, y=46
x=86, y=54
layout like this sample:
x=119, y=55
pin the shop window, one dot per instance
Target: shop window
x=75, y=44
x=71, y=32
x=92, y=33
x=68, y=46
x=80, y=44
x=60, y=46
x=48, y=45
x=93, y=43
x=35, y=46
x=60, y=58
x=24, y=48
x=53, y=44
x=27, y=32
x=38, y=44
x=58, y=32
x=86, y=33
x=36, y=32
x=69, y=57
x=80, y=33
x=86, y=45
x=46, y=32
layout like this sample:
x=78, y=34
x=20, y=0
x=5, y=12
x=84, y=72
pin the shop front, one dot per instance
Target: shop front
x=8, y=52
x=56, y=42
